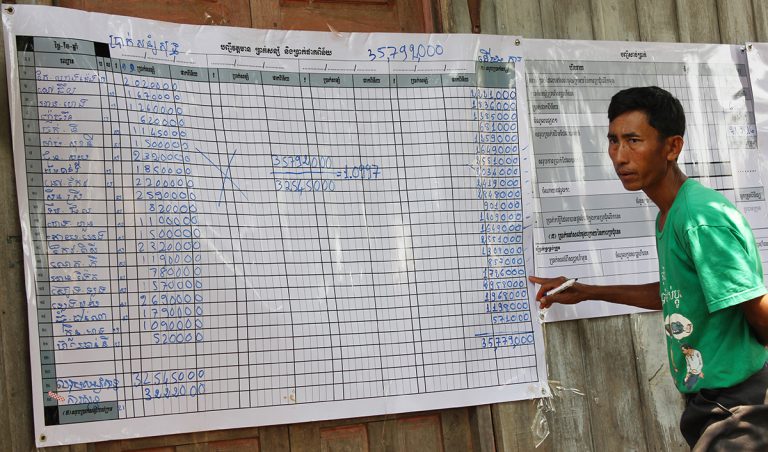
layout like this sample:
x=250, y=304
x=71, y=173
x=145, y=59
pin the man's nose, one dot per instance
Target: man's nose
x=620, y=152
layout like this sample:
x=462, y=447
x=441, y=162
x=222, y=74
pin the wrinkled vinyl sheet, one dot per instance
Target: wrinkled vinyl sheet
x=587, y=225
x=757, y=56
x=229, y=227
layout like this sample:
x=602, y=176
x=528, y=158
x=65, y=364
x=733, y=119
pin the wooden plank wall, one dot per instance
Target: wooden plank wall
x=618, y=363
x=613, y=391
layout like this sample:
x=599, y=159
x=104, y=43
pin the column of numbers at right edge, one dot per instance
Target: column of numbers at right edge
x=499, y=188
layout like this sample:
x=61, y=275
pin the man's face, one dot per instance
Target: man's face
x=637, y=153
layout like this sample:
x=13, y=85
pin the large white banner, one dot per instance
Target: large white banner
x=757, y=56
x=227, y=227
x=587, y=225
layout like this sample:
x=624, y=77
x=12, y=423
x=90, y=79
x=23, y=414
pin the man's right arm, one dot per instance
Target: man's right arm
x=644, y=296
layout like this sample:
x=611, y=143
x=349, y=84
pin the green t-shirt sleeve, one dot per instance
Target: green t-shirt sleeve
x=728, y=265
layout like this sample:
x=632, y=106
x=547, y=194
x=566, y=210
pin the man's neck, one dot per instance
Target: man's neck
x=665, y=192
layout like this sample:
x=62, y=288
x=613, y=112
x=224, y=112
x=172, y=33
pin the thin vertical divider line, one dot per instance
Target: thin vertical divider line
x=367, y=233
x=104, y=151
x=409, y=242
x=455, y=229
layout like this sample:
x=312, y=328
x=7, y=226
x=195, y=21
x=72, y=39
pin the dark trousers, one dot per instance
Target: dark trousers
x=729, y=419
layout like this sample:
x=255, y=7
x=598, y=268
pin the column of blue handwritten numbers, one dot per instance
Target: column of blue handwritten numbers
x=203, y=130
x=194, y=381
x=168, y=313
x=466, y=310
x=299, y=279
x=71, y=139
x=375, y=105
x=226, y=192
x=509, y=332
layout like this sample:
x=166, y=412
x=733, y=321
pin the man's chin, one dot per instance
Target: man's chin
x=630, y=186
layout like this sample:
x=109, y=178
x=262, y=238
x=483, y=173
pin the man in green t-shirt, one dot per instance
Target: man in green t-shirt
x=710, y=288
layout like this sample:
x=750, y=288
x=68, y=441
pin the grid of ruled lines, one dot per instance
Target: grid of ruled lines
x=298, y=243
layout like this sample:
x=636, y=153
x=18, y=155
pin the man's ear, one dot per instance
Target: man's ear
x=674, y=147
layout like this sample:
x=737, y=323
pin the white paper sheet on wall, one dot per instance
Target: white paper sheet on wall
x=757, y=57
x=227, y=227
x=588, y=226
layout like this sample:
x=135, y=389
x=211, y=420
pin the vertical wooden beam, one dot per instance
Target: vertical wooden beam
x=512, y=427
x=455, y=16
x=488, y=20
x=482, y=426
x=474, y=15
x=566, y=19
x=275, y=438
x=760, y=8
x=737, y=21
x=697, y=21
x=570, y=423
x=16, y=424
x=662, y=404
x=613, y=395
x=520, y=18
x=457, y=432
x=657, y=20
x=615, y=20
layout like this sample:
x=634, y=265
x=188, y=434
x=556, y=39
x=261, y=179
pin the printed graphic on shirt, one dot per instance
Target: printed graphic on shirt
x=694, y=364
x=668, y=293
x=677, y=326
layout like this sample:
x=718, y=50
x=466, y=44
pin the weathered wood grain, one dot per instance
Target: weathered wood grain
x=455, y=16
x=615, y=20
x=512, y=426
x=697, y=21
x=519, y=18
x=481, y=423
x=615, y=408
x=662, y=403
x=737, y=21
x=15, y=382
x=566, y=19
x=657, y=20
x=569, y=424
x=457, y=434
x=760, y=8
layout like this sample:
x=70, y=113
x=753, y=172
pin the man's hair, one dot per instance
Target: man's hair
x=664, y=112
x=686, y=346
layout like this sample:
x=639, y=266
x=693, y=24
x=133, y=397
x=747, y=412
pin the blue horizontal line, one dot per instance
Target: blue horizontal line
x=296, y=173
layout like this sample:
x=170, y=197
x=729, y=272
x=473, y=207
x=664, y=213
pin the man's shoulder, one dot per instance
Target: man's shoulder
x=705, y=206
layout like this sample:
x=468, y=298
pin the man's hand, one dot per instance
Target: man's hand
x=644, y=296
x=571, y=295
